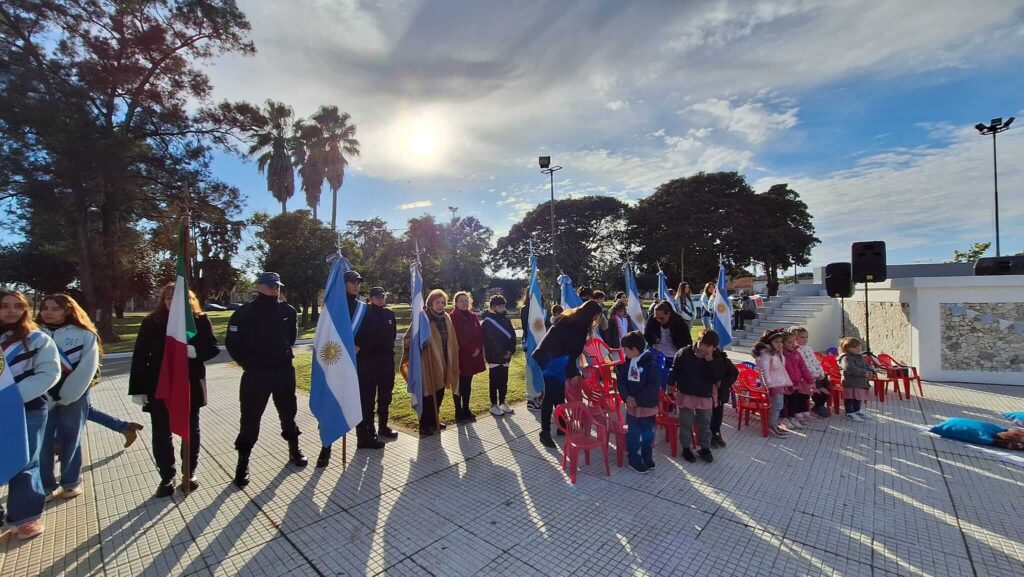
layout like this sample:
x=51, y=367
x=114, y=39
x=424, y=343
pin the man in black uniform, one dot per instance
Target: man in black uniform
x=376, y=363
x=260, y=338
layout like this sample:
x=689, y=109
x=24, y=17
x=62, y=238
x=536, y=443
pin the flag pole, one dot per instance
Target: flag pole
x=344, y=438
x=423, y=393
x=186, y=453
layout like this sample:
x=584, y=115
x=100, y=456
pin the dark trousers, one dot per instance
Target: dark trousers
x=385, y=387
x=462, y=399
x=257, y=388
x=639, y=440
x=429, y=415
x=498, y=380
x=718, y=414
x=820, y=399
x=163, y=442
x=554, y=394
x=739, y=321
x=796, y=403
x=851, y=405
x=376, y=381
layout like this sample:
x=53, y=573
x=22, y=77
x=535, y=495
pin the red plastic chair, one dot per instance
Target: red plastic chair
x=666, y=420
x=881, y=382
x=599, y=360
x=902, y=372
x=582, y=433
x=830, y=365
x=606, y=409
x=751, y=400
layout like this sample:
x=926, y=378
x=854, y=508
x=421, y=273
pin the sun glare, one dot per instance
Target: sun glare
x=422, y=142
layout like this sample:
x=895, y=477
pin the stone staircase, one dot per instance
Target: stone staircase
x=794, y=305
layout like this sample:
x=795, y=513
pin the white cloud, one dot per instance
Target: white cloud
x=415, y=204
x=752, y=120
x=617, y=105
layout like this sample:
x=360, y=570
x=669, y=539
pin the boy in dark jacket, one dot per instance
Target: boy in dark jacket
x=499, y=346
x=697, y=378
x=639, y=383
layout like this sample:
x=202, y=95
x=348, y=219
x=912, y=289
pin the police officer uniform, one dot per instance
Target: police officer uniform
x=260, y=338
x=376, y=364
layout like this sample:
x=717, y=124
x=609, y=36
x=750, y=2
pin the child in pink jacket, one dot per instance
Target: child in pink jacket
x=803, y=383
x=771, y=364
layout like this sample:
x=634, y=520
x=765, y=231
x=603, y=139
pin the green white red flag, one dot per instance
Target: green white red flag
x=173, y=387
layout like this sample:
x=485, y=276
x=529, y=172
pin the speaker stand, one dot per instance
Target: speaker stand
x=842, y=316
x=867, y=321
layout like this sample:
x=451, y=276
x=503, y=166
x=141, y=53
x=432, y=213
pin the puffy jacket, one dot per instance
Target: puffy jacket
x=855, y=371
x=499, y=344
x=694, y=376
x=471, y=340
x=797, y=369
x=645, y=391
x=772, y=367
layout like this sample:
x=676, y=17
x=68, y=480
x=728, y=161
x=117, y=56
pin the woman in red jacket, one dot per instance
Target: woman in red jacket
x=471, y=352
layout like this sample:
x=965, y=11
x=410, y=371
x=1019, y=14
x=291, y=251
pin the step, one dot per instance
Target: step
x=791, y=319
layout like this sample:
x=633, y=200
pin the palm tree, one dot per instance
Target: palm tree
x=340, y=144
x=271, y=138
x=307, y=148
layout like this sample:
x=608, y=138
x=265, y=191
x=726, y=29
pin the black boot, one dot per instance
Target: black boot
x=366, y=439
x=387, y=432
x=242, y=469
x=295, y=454
x=165, y=489
x=325, y=457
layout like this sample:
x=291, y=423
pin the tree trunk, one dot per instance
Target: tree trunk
x=772, y=272
x=334, y=211
x=284, y=206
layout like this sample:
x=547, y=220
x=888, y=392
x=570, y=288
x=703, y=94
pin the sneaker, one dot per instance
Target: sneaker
x=855, y=417
x=778, y=432
x=534, y=403
x=387, y=433
x=547, y=441
x=73, y=492
x=821, y=412
x=649, y=465
x=865, y=415
x=192, y=485
x=688, y=455
x=718, y=441
x=638, y=467
x=52, y=495
x=506, y=409
x=794, y=423
x=706, y=455
x=29, y=530
x=496, y=411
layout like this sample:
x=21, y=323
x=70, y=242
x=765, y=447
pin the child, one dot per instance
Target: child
x=639, y=383
x=767, y=353
x=556, y=313
x=803, y=382
x=697, y=373
x=855, y=378
x=820, y=395
x=499, y=346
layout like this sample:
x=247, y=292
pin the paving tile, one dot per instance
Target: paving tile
x=457, y=554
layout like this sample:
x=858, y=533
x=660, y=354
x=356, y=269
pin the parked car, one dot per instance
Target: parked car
x=234, y=306
x=214, y=307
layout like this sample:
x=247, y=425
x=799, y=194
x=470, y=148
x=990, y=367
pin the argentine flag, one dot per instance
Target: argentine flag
x=570, y=299
x=13, y=429
x=634, y=311
x=419, y=331
x=334, y=385
x=722, y=311
x=663, y=291
x=534, y=332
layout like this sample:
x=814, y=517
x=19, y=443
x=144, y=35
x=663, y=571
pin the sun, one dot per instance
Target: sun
x=422, y=142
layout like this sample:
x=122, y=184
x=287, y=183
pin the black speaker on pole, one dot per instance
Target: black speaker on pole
x=839, y=280
x=868, y=261
x=996, y=265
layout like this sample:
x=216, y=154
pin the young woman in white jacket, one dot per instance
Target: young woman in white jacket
x=31, y=359
x=79, y=347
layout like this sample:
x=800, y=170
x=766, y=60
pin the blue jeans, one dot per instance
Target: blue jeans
x=25, y=496
x=639, y=440
x=109, y=421
x=64, y=425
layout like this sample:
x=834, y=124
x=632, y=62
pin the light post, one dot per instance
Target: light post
x=995, y=127
x=546, y=168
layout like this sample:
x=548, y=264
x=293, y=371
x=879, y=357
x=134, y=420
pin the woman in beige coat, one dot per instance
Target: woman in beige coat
x=440, y=361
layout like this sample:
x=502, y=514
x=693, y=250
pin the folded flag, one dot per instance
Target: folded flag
x=173, y=387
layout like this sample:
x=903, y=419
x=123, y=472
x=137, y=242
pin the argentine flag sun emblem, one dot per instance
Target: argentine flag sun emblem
x=330, y=353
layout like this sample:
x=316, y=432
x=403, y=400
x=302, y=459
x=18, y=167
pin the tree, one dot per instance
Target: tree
x=384, y=262
x=589, y=241
x=784, y=232
x=707, y=215
x=103, y=104
x=270, y=141
x=306, y=156
x=339, y=143
x=467, y=242
x=40, y=269
x=972, y=254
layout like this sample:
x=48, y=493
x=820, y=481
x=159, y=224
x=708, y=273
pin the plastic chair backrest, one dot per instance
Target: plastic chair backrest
x=665, y=403
x=888, y=361
x=597, y=353
x=573, y=392
x=574, y=420
x=829, y=363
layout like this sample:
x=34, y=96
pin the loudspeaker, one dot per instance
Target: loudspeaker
x=839, y=280
x=868, y=261
x=995, y=265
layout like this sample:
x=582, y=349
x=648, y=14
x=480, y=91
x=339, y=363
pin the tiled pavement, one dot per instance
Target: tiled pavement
x=876, y=498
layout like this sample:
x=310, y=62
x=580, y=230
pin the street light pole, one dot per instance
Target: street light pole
x=995, y=127
x=546, y=168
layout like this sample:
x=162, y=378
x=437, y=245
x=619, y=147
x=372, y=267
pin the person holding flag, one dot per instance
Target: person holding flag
x=260, y=338
x=415, y=341
x=634, y=310
x=148, y=373
x=570, y=296
x=721, y=309
x=29, y=367
x=439, y=360
x=334, y=389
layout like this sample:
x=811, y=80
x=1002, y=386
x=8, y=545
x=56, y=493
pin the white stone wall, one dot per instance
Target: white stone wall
x=978, y=343
x=890, y=327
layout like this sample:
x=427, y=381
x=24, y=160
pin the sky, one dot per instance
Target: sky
x=865, y=108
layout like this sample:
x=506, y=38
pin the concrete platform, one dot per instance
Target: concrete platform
x=870, y=499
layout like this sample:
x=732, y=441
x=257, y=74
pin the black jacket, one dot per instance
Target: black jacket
x=677, y=326
x=149, y=355
x=694, y=376
x=376, y=336
x=498, y=348
x=261, y=334
x=567, y=337
x=645, y=391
